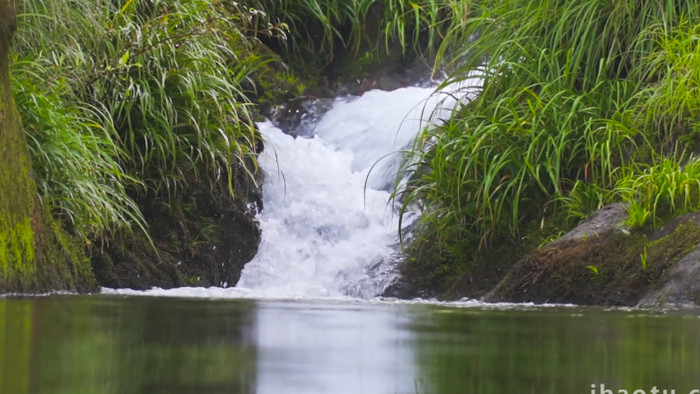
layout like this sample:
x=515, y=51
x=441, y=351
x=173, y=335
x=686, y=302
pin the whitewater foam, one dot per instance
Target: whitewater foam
x=328, y=228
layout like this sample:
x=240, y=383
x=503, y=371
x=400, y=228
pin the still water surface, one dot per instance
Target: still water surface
x=117, y=344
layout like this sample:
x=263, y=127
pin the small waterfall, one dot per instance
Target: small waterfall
x=328, y=228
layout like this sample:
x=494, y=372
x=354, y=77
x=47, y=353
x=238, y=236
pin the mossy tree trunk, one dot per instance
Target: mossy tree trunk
x=35, y=254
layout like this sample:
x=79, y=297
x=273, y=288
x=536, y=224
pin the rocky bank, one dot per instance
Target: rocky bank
x=599, y=262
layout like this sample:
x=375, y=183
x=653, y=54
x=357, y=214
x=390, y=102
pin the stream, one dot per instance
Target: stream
x=307, y=317
x=125, y=344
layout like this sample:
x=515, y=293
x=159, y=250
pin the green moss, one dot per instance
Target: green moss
x=671, y=248
x=35, y=255
x=17, y=256
x=610, y=269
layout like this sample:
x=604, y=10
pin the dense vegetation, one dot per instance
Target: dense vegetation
x=138, y=114
x=581, y=104
x=125, y=101
x=130, y=104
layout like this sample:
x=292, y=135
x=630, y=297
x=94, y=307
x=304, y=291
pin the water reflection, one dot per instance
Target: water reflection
x=101, y=344
x=138, y=345
x=334, y=348
x=557, y=351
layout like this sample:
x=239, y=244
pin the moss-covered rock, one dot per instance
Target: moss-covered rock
x=680, y=284
x=36, y=255
x=607, y=268
x=599, y=262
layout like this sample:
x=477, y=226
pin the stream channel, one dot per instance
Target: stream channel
x=306, y=316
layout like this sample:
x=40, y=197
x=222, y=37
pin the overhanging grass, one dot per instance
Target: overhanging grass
x=74, y=157
x=319, y=29
x=573, y=92
x=134, y=100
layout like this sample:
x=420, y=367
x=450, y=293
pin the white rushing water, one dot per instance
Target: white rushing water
x=328, y=228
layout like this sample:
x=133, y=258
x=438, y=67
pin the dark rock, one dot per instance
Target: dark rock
x=588, y=265
x=384, y=76
x=599, y=263
x=673, y=224
x=594, y=271
x=202, y=237
x=404, y=288
x=568, y=270
x=680, y=284
x=299, y=117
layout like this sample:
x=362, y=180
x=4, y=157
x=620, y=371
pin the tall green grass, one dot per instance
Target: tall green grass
x=575, y=96
x=669, y=186
x=173, y=78
x=75, y=158
x=669, y=102
x=127, y=101
x=320, y=29
x=135, y=100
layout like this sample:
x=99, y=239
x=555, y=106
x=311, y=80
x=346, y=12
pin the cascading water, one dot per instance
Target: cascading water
x=328, y=228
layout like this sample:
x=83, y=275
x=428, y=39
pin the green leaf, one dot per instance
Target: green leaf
x=593, y=268
x=124, y=59
x=126, y=5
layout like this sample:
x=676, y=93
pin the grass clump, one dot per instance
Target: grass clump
x=319, y=30
x=576, y=101
x=134, y=101
x=669, y=101
x=668, y=187
x=74, y=158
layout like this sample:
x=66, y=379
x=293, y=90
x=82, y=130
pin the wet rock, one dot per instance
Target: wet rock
x=587, y=272
x=599, y=263
x=584, y=266
x=203, y=237
x=384, y=76
x=403, y=289
x=298, y=117
x=679, y=286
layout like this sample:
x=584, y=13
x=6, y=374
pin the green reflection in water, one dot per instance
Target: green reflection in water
x=15, y=340
x=555, y=351
x=99, y=345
